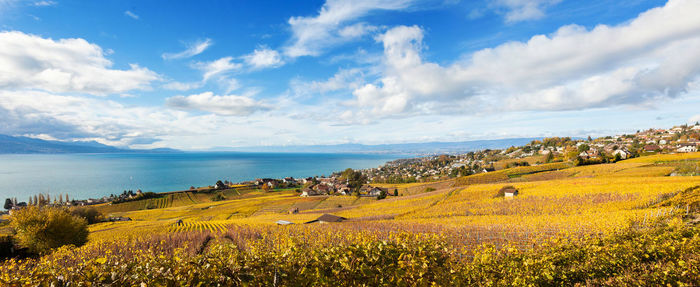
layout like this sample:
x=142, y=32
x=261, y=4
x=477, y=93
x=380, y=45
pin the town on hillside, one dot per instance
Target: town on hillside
x=364, y=183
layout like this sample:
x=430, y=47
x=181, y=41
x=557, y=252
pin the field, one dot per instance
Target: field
x=553, y=198
x=449, y=223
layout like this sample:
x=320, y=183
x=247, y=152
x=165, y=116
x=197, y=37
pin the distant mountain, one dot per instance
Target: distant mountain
x=10, y=144
x=406, y=148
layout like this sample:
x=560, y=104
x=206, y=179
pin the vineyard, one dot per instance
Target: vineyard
x=590, y=220
x=506, y=174
x=202, y=226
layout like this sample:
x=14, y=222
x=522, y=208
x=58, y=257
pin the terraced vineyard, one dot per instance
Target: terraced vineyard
x=211, y=226
x=506, y=174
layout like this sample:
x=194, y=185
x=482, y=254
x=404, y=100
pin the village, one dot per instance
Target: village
x=679, y=139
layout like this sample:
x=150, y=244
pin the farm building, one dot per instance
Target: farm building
x=509, y=191
x=327, y=218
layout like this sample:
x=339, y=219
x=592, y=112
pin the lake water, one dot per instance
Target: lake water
x=95, y=175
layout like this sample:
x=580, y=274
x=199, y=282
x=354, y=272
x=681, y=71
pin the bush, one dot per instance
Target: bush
x=41, y=229
x=218, y=197
x=90, y=214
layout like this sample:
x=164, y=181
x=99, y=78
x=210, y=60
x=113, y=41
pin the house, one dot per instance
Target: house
x=651, y=148
x=696, y=128
x=624, y=154
x=323, y=189
x=688, y=148
x=488, y=169
x=344, y=189
x=326, y=218
x=308, y=192
x=377, y=191
x=284, y=222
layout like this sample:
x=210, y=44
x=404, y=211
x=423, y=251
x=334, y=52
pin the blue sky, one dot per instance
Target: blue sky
x=202, y=74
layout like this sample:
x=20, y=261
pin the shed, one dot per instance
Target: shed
x=509, y=191
x=327, y=218
x=284, y=222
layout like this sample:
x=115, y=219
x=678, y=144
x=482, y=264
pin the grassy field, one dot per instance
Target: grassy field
x=556, y=203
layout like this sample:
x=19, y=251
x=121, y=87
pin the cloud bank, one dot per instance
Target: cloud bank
x=655, y=56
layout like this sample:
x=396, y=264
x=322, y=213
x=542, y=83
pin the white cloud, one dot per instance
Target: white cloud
x=66, y=65
x=84, y=118
x=230, y=105
x=217, y=67
x=45, y=3
x=655, y=56
x=263, y=58
x=131, y=15
x=333, y=25
x=521, y=10
x=193, y=49
x=343, y=80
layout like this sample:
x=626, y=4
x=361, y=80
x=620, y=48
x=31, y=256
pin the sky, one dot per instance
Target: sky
x=199, y=75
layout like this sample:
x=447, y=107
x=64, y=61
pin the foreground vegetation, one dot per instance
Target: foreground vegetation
x=627, y=223
x=666, y=254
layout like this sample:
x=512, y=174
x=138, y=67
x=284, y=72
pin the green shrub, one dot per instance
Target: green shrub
x=41, y=229
x=218, y=197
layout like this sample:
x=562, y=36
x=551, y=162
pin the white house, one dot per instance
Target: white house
x=622, y=152
x=688, y=148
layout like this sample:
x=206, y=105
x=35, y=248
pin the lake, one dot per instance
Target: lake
x=95, y=175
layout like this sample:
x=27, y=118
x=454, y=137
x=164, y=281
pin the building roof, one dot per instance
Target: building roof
x=327, y=218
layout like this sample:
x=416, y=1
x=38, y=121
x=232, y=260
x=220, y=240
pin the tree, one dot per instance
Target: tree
x=8, y=203
x=571, y=153
x=265, y=187
x=396, y=192
x=550, y=157
x=354, y=179
x=382, y=195
x=90, y=214
x=41, y=229
x=583, y=147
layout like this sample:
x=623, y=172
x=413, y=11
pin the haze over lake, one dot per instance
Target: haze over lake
x=95, y=175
